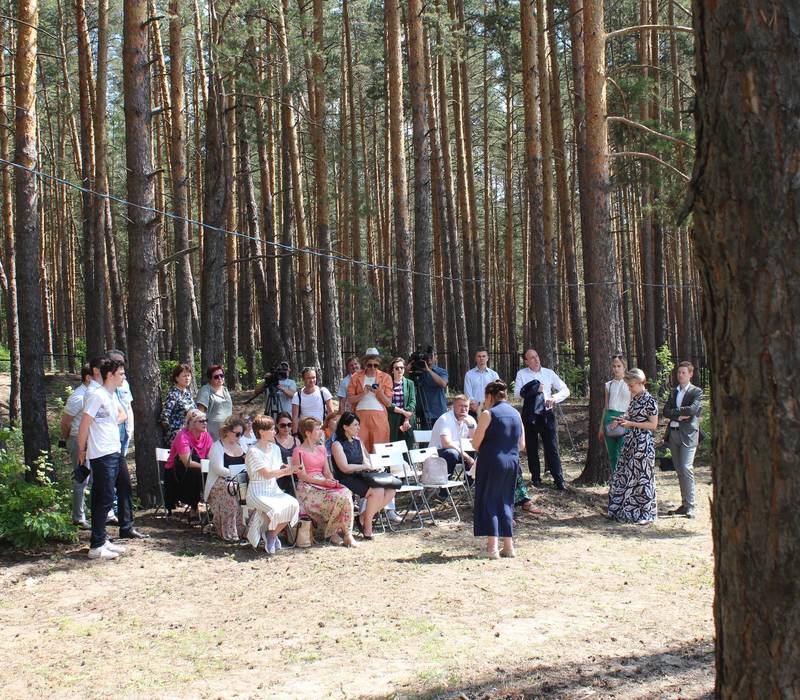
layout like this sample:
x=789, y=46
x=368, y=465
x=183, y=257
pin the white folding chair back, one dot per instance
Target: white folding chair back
x=466, y=445
x=419, y=455
x=162, y=455
x=421, y=436
x=386, y=448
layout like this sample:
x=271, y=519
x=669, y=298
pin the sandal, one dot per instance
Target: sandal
x=336, y=541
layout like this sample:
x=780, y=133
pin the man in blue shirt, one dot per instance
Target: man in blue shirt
x=432, y=383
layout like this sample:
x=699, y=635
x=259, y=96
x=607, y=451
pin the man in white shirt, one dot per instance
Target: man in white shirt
x=126, y=399
x=311, y=400
x=70, y=422
x=476, y=379
x=448, y=430
x=99, y=442
x=544, y=425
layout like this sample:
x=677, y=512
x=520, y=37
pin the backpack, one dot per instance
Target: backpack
x=434, y=472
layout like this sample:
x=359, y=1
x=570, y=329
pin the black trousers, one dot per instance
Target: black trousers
x=110, y=472
x=544, y=427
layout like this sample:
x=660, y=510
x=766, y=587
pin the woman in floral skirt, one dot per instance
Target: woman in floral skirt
x=632, y=495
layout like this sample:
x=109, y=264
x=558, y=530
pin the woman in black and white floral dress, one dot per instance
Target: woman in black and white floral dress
x=632, y=495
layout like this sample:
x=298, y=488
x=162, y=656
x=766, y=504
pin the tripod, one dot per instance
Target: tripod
x=273, y=405
x=422, y=408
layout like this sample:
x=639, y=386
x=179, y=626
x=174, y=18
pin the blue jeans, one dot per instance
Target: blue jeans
x=452, y=457
x=109, y=472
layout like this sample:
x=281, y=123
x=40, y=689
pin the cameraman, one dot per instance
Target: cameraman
x=432, y=382
x=286, y=387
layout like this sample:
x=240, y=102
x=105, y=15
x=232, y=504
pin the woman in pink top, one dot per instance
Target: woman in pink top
x=322, y=498
x=182, y=476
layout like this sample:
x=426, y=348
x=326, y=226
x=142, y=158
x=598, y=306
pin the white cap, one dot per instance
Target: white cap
x=372, y=352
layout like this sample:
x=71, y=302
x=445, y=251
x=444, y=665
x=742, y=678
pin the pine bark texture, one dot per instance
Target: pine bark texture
x=144, y=371
x=602, y=299
x=747, y=218
x=26, y=223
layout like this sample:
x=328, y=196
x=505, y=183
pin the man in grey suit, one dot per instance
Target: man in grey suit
x=683, y=410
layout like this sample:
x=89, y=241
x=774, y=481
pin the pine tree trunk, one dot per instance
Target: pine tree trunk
x=184, y=284
x=333, y=367
x=744, y=191
x=143, y=252
x=602, y=299
x=7, y=217
x=215, y=204
x=405, y=293
x=423, y=241
x=26, y=225
x=539, y=308
x=231, y=224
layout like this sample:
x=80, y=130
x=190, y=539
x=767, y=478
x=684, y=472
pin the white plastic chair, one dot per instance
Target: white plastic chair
x=417, y=458
x=421, y=436
x=395, y=461
x=162, y=455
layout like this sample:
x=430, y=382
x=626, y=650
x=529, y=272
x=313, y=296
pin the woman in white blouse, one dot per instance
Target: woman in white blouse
x=273, y=509
x=618, y=397
x=224, y=454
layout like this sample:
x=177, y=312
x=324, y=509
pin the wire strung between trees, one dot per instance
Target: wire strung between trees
x=315, y=252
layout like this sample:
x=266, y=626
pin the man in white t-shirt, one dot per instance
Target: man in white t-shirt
x=126, y=399
x=99, y=443
x=448, y=430
x=70, y=422
x=554, y=391
x=476, y=379
x=311, y=400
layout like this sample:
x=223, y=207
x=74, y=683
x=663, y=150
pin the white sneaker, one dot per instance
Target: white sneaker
x=118, y=548
x=393, y=516
x=102, y=553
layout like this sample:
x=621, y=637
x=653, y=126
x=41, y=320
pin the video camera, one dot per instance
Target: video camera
x=418, y=362
x=277, y=374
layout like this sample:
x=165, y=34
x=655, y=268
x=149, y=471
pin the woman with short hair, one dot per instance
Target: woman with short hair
x=273, y=509
x=225, y=453
x=177, y=403
x=327, y=502
x=215, y=399
x=632, y=494
x=183, y=478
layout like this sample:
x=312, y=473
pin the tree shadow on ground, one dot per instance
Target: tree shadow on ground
x=439, y=557
x=685, y=671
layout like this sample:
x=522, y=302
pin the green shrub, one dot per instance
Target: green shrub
x=664, y=366
x=31, y=513
x=574, y=376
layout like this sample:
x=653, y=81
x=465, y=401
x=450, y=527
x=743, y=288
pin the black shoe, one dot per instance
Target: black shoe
x=133, y=534
x=679, y=511
x=537, y=485
x=562, y=488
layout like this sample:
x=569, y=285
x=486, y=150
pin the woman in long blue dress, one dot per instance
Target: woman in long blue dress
x=498, y=439
x=632, y=494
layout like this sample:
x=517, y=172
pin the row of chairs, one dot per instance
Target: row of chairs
x=394, y=457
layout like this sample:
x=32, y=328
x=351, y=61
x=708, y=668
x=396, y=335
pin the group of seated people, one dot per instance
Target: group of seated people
x=287, y=476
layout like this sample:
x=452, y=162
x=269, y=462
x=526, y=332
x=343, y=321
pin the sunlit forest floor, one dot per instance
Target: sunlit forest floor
x=588, y=608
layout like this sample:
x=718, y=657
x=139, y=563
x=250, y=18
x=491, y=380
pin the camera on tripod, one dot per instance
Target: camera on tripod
x=278, y=373
x=418, y=362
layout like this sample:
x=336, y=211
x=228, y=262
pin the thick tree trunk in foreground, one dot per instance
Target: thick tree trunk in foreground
x=26, y=224
x=747, y=227
x=143, y=247
x=599, y=259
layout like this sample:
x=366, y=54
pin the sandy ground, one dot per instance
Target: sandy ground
x=589, y=608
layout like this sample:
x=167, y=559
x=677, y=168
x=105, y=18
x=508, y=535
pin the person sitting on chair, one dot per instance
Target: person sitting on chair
x=350, y=464
x=273, y=509
x=224, y=453
x=448, y=430
x=324, y=500
x=182, y=473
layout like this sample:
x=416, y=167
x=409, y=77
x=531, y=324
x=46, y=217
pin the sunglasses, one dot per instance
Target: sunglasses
x=237, y=434
x=218, y=376
x=371, y=365
x=200, y=420
x=284, y=425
